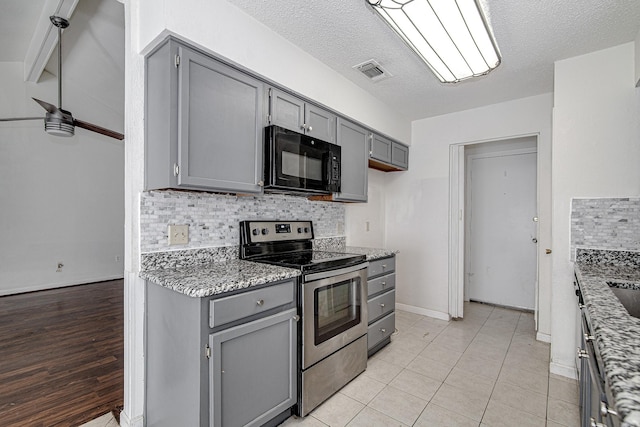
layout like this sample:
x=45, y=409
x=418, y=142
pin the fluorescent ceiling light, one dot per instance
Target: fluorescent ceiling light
x=451, y=36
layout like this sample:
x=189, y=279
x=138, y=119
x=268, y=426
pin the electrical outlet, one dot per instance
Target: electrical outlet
x=178, y=234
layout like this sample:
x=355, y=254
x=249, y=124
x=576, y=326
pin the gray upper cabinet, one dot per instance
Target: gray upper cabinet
x=295, y=114
x=204, y=123
x=354, y=140
x=388, y=155
x=381, y=148
x=400, y=155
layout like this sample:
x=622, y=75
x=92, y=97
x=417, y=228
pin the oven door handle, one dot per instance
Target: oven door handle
x=331, y=273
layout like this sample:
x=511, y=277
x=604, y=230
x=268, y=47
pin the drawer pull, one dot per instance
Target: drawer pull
x=383, y=330
x=381, y=305
x=383, y=284
x=384, y=266
x=260, y=302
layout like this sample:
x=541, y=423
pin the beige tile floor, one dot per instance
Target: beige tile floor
x=486, y=370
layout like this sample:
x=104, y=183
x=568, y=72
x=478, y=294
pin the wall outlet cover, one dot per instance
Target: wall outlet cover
x=178, y=234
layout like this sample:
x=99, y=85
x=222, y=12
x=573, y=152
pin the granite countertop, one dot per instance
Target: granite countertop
x=372, y=254
x=617, y=334
x=217, y=277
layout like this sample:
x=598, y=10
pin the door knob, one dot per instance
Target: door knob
x=534, y=240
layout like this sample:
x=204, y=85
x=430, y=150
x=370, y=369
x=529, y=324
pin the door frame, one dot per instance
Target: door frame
x=457, y=227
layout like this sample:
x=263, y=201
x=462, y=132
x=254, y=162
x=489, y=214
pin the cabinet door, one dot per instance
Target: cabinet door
x=400, y=155
x=220, y=126
x=320, y=123
x=381, y=148
x=253, y=372
x=354, y=141
x=286, y=111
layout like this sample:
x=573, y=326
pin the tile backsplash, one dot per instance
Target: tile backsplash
x=605, y=223
x=213, y=218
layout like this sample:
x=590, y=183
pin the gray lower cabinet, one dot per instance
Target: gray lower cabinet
x=204, y=127
x=251, y=375
x=354, y=141
x=221, y=361
x=381, y=302
x=388, y=155
x=295, y=114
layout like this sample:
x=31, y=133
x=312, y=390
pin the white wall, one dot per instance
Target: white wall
x=596, y=153
x=417, y=214
x=61, y=198
x=225, y=31
x=365, y=222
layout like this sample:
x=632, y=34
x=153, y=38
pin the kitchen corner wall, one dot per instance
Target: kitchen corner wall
x=213, y=218
x=596, y=128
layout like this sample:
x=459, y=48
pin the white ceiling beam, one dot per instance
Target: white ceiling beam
x=45, y=38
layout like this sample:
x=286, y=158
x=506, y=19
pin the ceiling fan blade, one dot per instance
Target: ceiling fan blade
x=49, y=107
x=98, y=129
x=15, y=119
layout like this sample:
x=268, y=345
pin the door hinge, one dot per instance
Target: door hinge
x=176, y=169
x=207, y=351
x=177, y=61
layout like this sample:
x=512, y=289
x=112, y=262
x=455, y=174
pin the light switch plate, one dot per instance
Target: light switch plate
x=178, y=234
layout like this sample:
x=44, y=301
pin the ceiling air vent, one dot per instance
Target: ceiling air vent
x=373, y=70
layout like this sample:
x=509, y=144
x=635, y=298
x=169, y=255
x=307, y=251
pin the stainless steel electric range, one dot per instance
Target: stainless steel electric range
x=332, y=296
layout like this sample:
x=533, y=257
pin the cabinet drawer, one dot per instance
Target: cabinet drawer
x=381, y=305
x=380, y=330
x=235, y=307
x=381, y=284
x=381, y=266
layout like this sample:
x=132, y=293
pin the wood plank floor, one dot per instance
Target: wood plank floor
x=61, y=355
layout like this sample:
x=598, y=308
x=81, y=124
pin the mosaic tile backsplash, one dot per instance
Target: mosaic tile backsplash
x=213, y=218
x=605, y=223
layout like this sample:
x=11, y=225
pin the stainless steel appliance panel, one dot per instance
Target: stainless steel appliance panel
x=325, y=378
x=314, y=350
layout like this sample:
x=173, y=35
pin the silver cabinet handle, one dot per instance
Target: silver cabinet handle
x=381, y=305
x=260, y=302
x=309, y=128
x=296, y=317
x=582, y=354
x=384, y=266
x=604, y=410
x=261, y=183
x=588, y=337
x=383, y=284
x=383, y=330
x=306, y=127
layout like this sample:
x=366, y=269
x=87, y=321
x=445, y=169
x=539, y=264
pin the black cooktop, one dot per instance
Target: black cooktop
x=311, y=260
x=289, y=244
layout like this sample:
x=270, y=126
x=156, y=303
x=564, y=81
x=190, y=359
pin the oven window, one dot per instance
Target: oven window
x=336, y=309
x=301, y=166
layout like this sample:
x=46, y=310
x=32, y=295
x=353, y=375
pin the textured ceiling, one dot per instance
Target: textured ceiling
x=531, y=35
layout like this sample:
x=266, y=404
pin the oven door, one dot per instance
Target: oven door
x=334, y=314
x=300, y=162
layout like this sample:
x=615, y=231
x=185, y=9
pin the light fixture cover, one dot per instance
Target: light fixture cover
x=451, y=36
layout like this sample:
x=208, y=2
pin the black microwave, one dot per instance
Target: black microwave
x=294, y=162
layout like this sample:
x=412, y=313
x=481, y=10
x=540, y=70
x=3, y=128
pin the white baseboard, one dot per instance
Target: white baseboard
x=543, y=337
x=563, y=370
x=423, y=311
x=46, y=286
x=125, y=421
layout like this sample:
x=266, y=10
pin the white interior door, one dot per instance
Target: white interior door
x=502, y=263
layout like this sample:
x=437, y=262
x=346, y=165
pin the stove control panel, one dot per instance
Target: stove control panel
x=277, y=231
